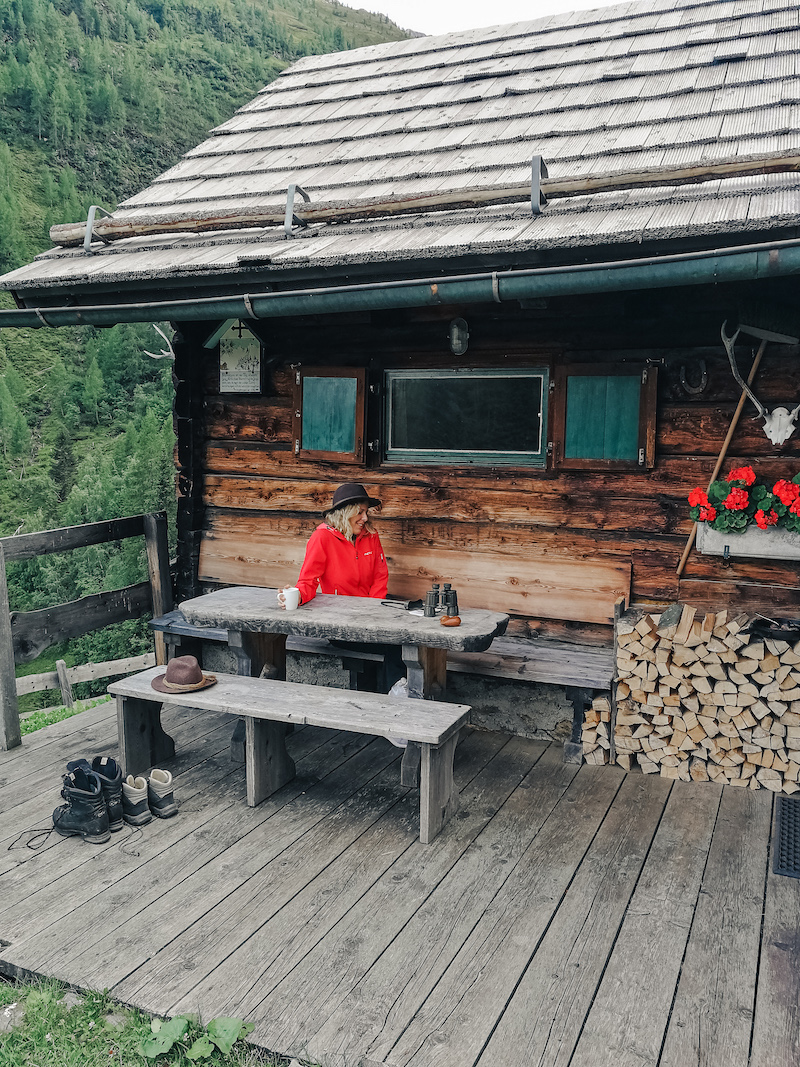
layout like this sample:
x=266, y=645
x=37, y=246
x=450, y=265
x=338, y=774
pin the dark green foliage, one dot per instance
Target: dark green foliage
x=97, y=97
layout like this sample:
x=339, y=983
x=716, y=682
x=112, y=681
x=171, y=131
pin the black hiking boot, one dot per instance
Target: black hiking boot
x=85, y=812
x=110, y=774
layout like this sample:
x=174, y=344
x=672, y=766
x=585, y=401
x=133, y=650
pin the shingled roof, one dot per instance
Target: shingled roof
x=645, y=86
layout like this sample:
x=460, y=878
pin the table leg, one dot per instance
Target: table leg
x=426, y=669
x=142, y=741
x=257, y=656
x=269, y=765
x=438, y=797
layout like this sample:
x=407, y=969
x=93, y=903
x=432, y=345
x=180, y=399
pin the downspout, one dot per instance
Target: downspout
x=744, y=263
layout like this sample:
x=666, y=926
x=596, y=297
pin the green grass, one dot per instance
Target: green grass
x=39, y=719
x=52, y=1027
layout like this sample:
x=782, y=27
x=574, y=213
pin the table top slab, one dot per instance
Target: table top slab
x=346, y=618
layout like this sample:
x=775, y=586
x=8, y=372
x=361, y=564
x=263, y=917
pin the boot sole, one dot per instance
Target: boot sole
x=165, y=813
x=137, y=820
x=93, y=839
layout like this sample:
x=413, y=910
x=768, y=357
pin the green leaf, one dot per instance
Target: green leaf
x=225, y=1033
x=166, y=1034
x=718, y=491
x=201, y=1049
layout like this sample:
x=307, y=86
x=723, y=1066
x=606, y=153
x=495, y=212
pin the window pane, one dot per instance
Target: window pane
x=329, y=414
x=602, y=417
x=466, y=413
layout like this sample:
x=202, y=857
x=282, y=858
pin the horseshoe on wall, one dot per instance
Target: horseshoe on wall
x=693, y=390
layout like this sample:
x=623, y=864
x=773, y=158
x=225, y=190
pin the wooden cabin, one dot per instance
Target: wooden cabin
x=486, y=275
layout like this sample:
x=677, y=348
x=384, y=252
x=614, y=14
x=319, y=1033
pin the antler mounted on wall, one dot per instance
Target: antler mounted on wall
x=779, y=424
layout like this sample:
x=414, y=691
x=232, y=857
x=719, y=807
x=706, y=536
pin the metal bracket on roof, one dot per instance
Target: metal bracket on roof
x=87, y=238
x=290, y=216
x=538, y=171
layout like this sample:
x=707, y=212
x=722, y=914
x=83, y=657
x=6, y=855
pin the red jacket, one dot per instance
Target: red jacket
x=341, y=566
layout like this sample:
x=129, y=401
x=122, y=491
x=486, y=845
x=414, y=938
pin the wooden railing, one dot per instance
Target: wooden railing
x=25, y=635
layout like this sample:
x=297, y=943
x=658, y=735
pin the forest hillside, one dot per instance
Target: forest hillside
x=97, y=97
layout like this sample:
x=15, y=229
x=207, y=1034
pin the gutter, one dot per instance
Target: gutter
x=743, y=263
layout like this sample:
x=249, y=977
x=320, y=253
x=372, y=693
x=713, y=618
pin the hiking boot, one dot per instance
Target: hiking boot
x=135, y=810
x=159, y=794
x=85, y=812
x=110, y=774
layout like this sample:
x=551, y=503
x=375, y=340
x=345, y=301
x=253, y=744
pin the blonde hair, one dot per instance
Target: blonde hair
x=340, y=519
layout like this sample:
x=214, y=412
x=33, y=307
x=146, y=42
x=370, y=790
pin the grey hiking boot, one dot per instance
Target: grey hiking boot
x=135, y=810
x=85, y=812
x=159, y=794
x=110, y=774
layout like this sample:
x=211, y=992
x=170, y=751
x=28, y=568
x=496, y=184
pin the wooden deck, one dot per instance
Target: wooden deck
x=566, y=916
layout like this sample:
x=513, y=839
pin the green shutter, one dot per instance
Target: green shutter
x=602, y=417
x=329, y=414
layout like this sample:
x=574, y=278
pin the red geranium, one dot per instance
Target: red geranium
x=794, y=507
x=737, y=499
x=786, y=492
x=697, y=498
x=707, y=513
x=742, y=474
x=766, y=519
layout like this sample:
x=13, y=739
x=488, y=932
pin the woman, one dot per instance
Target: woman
x=344, y=554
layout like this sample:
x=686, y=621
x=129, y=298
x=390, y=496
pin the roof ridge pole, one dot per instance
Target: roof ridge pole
x=538, y=171
x=290, y=216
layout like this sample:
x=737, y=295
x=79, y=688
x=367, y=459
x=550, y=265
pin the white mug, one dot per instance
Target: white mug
x=289, y=597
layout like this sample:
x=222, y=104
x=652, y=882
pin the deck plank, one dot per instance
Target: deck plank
x=225, y=968
x=452, y=1000
x=712, y=1015
x=776, y=1029
x=419, y=929
x=542, y=1021
x=550, y=923
x=110, y=926
x=626, y=1023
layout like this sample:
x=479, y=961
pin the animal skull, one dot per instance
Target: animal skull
x=779, y=425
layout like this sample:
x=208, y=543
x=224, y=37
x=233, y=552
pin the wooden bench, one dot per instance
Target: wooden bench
x=268, y=706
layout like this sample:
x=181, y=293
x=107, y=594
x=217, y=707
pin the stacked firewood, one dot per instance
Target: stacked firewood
x=698, y=698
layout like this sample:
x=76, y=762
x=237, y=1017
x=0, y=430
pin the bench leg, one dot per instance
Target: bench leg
x=438, y=798
x=257, y=655
x=142, y=741
x=269, y=765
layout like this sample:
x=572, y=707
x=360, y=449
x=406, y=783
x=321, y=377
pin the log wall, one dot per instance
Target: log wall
x=254, y=504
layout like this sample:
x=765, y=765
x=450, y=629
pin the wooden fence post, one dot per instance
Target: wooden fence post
x=66, y=687
x=10, y=735
x=155, y=535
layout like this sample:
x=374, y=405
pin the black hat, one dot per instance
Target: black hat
x=352, y=493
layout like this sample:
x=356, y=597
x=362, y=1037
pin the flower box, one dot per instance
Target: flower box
x=773, y=543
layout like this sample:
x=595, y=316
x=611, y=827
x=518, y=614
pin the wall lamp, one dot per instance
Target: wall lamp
x=459, y=337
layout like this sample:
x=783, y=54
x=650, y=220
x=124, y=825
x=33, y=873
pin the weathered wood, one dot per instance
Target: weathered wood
x=35, y=683
x=269, y=765
x=64, y=684
x=143, y=744
x=155, y=535
x=34, y=631
x=249, y=609
x=28, y=546
x=776, y=1036
x=438, y=795
x=584, y=590
x=634, y=997
x=429, y=722
x=111, y=229
x=711, y=1021
x=10, y=735
x=540, y=660
x=542, y=1022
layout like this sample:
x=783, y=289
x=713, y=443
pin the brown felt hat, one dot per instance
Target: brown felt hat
x=352, y=493
x=183, y=675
